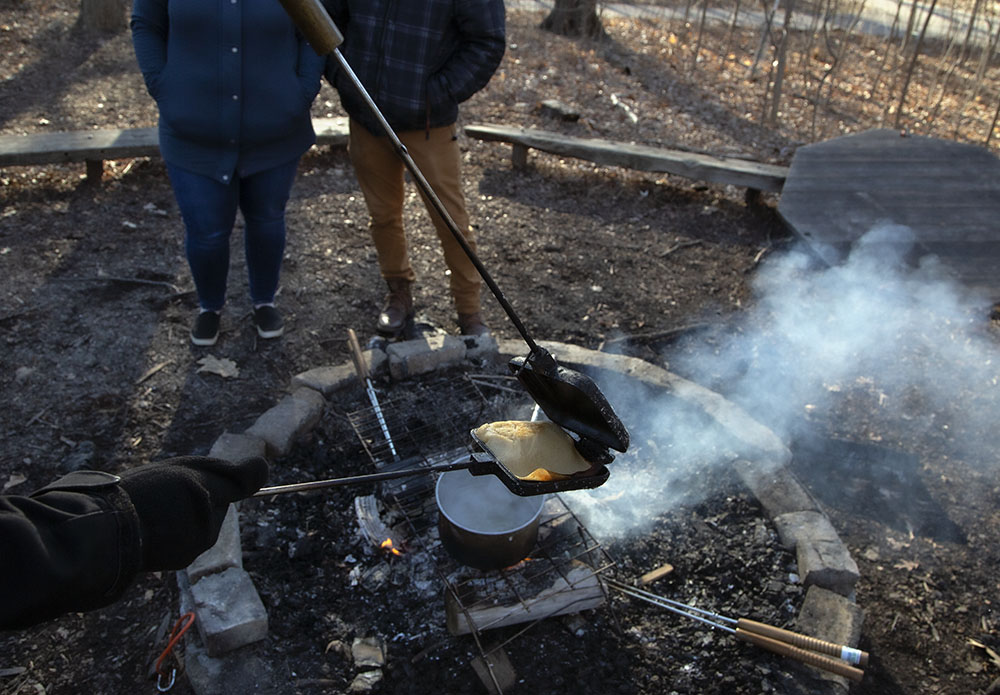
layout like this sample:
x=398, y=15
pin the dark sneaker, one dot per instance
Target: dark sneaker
x=206, y=328
x=472, y=324
x=268, y=321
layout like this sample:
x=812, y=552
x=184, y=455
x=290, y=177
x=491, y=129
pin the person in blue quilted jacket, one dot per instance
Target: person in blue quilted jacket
x=418, y=60
x=234, y=82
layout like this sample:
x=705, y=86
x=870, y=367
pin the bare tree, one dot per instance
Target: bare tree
x=779, y=68
x=973, y=18
x=913, y=65
x=765, y=35
x=701, y=33
x=993, y=125
x=943, y=76
x=103, y=16
x=735, y=22
x=978, y=81
x=574, y=18
x=889, y=56
x=838, y=49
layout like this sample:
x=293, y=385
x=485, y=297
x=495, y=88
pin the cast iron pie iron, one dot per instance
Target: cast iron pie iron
x=567, y=397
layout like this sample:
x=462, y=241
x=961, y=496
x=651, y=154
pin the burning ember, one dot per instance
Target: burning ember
x=388, y=545
x=517, y=565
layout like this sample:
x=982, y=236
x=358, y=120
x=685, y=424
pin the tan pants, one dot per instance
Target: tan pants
x=380, y=171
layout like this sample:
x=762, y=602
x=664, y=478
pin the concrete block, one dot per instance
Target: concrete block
x=830, y=616
x=827, y=563
x=236, y=447
x=230, y=612
x=778, y=491
x=238, y=671
x=330, y=379
x=480, y=348
x=794, y=527
x=411, y=357
x=227, y=551
x=291, y=418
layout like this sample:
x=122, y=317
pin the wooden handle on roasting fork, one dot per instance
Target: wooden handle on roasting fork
x=803, y=648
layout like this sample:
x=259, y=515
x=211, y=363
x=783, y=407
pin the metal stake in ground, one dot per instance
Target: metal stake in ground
x=362, y=368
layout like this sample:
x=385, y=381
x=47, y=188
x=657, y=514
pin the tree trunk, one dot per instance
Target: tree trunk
x=574, y=18
x=103, y=16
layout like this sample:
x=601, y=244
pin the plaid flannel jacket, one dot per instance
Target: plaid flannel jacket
x=417, y=59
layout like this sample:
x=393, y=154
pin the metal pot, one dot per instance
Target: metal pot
x=482, y=524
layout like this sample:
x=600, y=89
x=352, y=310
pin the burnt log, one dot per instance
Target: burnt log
x=579, y=590
x=574, y=18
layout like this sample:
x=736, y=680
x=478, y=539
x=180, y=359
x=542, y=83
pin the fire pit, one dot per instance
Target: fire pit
x=342, y=564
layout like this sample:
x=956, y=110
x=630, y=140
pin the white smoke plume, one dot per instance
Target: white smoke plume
x=811, y=334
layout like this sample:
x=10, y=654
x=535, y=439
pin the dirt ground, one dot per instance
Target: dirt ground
x=98, y=372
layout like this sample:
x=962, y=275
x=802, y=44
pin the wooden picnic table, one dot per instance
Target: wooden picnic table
x=947, y=194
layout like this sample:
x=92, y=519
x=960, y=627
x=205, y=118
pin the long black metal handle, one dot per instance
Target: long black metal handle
x=470, y=462
x=323, y=35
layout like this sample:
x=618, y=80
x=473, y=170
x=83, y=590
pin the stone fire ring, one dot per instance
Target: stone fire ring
x=231, y=615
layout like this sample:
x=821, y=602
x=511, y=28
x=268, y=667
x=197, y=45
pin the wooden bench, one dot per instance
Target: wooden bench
x=755, y=176
x=95, y=146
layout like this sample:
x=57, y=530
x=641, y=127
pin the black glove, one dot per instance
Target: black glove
x=181, y=503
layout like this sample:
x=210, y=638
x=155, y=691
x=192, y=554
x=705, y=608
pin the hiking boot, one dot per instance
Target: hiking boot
x=472, y=324
x=398, y=307
x=206, y=328
x=268, y=321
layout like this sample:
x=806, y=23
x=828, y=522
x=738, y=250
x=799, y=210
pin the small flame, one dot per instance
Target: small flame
x=387, y=544
x=518, y=565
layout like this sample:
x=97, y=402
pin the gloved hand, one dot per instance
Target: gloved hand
x=181, y=503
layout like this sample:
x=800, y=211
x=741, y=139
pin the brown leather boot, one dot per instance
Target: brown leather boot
x=398, y=307
x=472, y=324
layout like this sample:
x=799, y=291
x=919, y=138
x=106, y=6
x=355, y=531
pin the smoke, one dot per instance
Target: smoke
x=908, y=336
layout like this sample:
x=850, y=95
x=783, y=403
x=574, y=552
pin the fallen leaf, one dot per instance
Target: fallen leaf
x=908, y=565
x=14, y=480
x=992, y=654
x=225, y=368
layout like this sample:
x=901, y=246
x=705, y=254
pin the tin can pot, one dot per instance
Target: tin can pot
x=482, y=524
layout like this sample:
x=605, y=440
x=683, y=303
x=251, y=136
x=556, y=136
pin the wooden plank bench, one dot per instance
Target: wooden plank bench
x=755, y=176
x=95, y=146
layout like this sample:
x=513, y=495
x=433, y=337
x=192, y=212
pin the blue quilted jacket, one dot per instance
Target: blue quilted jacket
x=417, y=59
x=233, y=80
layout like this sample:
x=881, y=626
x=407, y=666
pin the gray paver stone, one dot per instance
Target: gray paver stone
x=778, y=491
x=794, y=527
x=236, y=447
x=292, y=417
x=411, y=357
x=828, y=564
x=230, y=612
x=227, y=551
x=330, y=379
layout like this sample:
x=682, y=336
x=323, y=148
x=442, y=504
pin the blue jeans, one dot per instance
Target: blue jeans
x=208, y=208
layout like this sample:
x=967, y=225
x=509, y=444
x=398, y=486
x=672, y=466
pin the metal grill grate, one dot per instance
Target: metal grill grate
x=562, y=573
